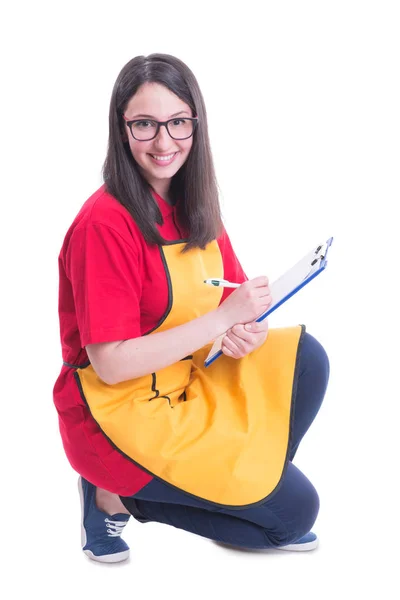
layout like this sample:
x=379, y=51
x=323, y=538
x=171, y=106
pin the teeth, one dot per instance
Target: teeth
x=163, y=157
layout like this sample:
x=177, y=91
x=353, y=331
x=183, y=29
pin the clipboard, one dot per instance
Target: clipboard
x=304, y=271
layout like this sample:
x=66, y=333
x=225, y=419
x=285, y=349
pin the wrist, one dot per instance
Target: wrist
x=223, y=319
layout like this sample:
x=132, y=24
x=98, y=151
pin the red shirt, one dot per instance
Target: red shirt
x=112, y=286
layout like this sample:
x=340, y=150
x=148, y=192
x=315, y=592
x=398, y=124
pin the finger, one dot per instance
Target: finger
x=245, y=346
x=230, y=344
x=257, y=326
x=261, y=281
x=267, y=296
x=229, y=352
x=237, y=345
x=239, y=335
x=226, y=350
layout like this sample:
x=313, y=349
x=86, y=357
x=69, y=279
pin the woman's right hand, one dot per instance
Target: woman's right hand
x=247, y=302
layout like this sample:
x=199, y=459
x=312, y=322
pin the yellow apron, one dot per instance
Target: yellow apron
x=219, y=433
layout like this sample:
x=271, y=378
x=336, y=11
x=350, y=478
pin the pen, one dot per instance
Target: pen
x=222, y=283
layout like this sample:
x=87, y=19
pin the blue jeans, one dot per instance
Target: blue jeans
x=290, y=511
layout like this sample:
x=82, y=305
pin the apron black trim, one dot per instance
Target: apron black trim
x=173, y=242
x=153, y=386
x=170, y=294
x=169, y=307
x=216, y=504
x=86, y=364
x=294, y=394
x=154, y=389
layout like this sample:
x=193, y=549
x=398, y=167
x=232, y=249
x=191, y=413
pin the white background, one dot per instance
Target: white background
x=315, y=87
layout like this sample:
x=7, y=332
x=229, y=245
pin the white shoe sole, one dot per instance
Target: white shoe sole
x=107, y=558
x=306, y=547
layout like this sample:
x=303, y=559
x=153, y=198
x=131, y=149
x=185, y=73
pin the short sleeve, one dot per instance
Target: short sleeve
x=104, y=271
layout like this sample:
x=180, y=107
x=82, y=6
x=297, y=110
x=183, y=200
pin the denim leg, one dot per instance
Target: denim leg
x=284, y=518
x=311, y=387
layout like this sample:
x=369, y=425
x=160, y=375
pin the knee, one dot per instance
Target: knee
x=306, y=508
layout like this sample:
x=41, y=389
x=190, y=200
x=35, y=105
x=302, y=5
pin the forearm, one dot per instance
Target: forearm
x=150, y=353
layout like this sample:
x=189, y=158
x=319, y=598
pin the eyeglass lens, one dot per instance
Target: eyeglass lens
x=178, y=129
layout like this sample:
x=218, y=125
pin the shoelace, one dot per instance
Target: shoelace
x=114, y=528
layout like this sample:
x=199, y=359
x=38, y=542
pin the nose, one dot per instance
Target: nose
x=163, y=138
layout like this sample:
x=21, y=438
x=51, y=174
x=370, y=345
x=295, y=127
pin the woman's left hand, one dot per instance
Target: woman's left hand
x=242, y=339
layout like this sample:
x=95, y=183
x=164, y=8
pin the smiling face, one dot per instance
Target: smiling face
x=154, y=101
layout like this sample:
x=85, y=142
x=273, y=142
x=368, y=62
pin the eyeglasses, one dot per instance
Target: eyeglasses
x=144, y=130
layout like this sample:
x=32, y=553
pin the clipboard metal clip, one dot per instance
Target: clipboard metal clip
x=320, y=257
x=324, y=248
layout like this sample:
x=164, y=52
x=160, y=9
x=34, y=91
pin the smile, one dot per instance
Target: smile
x=163, y=160
x=168, y=157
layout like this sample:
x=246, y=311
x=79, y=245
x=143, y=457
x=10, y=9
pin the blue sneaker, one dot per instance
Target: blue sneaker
x=307, y=542
x=100, y=532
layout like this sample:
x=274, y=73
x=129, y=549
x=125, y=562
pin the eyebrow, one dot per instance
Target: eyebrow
x=152, y=117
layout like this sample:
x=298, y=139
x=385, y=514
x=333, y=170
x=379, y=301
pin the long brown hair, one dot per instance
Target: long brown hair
x=198, y=211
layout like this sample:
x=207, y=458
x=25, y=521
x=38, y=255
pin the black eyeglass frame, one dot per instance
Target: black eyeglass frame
x=194, y=120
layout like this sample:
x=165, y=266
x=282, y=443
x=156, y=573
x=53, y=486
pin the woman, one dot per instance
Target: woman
x=151, y=431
